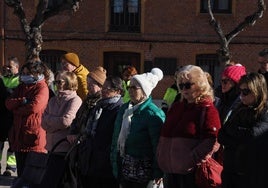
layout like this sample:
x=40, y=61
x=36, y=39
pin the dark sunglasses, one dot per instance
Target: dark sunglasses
x=186, y=85
x=58, y=81
x=245, y=91
x=225, y=81
x=133, y=87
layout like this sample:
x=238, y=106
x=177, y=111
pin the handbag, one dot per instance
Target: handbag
x=136, y=170
x=208, y=174
x=39, y=167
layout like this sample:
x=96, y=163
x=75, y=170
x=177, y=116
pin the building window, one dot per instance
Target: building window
x=218, y=6
x=52, y=59
x=210, y=63
x=115, y=62
x=125, y=16
x=167, y=65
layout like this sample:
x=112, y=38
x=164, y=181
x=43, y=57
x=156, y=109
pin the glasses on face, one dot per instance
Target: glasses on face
x=225, y=81
x=186, y=85
x=244, y=91
x=59, y=82
x=64, y=63
x=92, y=82
x=108, y=89
x=133, y=87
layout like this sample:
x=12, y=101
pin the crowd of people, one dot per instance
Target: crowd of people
x=116, y=136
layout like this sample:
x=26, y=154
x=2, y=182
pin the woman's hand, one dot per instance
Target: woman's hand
x=157, y=181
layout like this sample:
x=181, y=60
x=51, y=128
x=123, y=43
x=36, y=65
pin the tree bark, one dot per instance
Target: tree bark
x=224, y=52
x=32, y=31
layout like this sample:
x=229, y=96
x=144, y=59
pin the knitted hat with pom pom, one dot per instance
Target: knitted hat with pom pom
x=148, y=81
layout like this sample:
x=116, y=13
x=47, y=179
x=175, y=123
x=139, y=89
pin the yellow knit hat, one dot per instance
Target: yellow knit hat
x=72, y=58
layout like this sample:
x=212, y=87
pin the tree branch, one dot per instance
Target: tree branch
x=65, y=5
x=19, y=12
x=224, y=52
x=249, y=21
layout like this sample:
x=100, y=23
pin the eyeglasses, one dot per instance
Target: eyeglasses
x=244, y=91
x=225, y=81
x=108, y=89
x=133, y=87
x=186, y=85
x=58, y=82
x=64, y=63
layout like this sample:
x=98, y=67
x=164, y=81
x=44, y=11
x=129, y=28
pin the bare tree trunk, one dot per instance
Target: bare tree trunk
x=224, y=52
x=33, y=42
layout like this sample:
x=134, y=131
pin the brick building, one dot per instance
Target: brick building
x=143, y=33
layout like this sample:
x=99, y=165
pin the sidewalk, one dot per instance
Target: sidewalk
x=5, y=182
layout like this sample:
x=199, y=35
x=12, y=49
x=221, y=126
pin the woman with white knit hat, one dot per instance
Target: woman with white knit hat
x=136, y=134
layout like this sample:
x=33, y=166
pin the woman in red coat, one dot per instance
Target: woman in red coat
x=28, y=102
x=189, y=134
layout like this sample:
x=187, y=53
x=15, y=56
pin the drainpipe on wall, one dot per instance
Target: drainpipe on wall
x=3, y=46
x=2, y=34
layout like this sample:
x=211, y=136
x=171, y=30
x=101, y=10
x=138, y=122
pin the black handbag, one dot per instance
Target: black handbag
x=136, y=170
x=45, y=169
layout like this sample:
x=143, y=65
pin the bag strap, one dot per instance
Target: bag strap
x=202, y=120
x=69, y=151
x=58, y=143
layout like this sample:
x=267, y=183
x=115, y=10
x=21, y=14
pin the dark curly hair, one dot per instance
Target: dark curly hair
x=116, y=83
x=37, y=67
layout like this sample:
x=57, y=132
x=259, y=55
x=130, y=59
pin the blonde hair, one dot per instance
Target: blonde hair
x=196, y=75
x=70, y=78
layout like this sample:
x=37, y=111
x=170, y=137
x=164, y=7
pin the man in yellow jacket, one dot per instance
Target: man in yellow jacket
x=70, y=62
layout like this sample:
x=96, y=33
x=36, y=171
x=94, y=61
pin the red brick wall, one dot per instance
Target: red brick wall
x=172, y=29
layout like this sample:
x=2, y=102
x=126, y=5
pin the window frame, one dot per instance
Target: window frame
x=52, y=58
x=131, y=21
x=167, y=64
x=211, y=64
x=216, y=9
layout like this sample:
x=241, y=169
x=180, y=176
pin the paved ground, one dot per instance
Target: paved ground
x=5, y=182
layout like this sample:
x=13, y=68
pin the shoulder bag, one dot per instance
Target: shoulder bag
x=208, y=173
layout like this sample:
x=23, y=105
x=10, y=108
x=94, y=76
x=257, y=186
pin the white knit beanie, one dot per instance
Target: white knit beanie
x=148, y=81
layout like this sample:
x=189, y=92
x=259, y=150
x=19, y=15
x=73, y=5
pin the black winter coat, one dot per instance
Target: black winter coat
x=237, y=136
x=94, y=152
x=227, y=102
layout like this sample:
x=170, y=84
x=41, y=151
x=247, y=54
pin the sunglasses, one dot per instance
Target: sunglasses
x=58, y=81
x=225, y=81
x=244, y=91
x=133, y=87
x=186, y=85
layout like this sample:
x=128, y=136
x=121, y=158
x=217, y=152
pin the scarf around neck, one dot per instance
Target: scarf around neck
x=126, y=126
x=95, y=114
